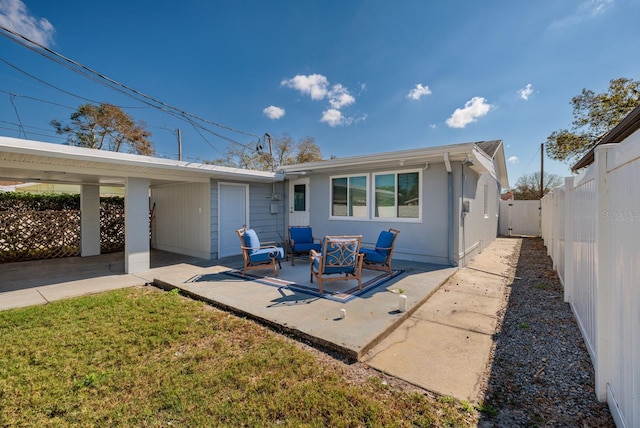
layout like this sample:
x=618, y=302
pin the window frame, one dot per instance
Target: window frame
x=367, y=207
x=395, y=173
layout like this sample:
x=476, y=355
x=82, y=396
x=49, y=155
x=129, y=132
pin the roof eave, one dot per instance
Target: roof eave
x=627, y=126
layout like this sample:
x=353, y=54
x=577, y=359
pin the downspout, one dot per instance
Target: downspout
x=463, y=213
x=450, y=199
x=452, y=260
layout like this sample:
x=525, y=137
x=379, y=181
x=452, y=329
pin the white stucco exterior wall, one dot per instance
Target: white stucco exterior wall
x=136, y=225
x=89, y=220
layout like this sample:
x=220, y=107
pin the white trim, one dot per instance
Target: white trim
x=396, y=173
x=370, y=197
x=367, y=216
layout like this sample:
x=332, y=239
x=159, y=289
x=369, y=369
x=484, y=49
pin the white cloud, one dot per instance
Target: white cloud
x=473, y=109
x=273, y=112
x=332, y=117
x=586, y=10
x=526, y=92
x=595, y=7
x=318, y=88
x=433, y=126
x=14, y=16
x=314, y=85
x=339, y=97
x=418, y=92
x=513, y=159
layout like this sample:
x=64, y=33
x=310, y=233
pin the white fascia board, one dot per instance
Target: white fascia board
x=457, y=152
x=129, y=162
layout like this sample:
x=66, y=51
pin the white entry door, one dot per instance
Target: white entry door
x=232, y=215
x=299, y=202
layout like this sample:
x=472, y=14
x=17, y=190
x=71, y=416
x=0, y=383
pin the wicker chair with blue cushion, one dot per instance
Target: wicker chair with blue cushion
x=301, y=241
x=258, y=255
x=340, y=256
x=380, y=256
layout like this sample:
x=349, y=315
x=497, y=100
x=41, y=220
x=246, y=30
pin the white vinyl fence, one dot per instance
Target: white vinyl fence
x=591, y=227
x=519, y=218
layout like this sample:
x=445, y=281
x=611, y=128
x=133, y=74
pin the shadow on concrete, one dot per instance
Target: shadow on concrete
x=38, y=273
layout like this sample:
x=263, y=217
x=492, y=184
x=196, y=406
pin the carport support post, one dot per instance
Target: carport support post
x=136, y=225
x=89, y=220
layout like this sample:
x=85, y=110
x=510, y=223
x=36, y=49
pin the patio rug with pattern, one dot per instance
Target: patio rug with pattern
x=297, y=278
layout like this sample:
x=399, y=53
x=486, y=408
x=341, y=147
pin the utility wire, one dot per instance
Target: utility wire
x=532, y=158
x=37, y=99
x=83, y=70
x=12, y=99
x=170, y=112
x=188, y=120
x=46, y=83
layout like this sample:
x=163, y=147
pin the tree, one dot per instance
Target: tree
x=285, y=151
x=594, y=115
x=528, y=185
x=106, y=127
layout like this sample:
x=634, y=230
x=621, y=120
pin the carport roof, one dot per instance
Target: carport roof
x=34, y=161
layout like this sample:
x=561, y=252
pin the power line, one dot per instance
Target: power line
x=113, y=84
x=12, y=98
x=46, y=83
x=37, y=99
x=172, y=113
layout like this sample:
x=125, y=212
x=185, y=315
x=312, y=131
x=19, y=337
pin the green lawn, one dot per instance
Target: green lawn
x=142, y=357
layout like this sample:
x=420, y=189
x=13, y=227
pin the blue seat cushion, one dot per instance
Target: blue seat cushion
x=266, y=254
x=301, y=235
x=306, y=247
x=385, y=240
x=331, y=269
x=251, y=240
x=374, y=256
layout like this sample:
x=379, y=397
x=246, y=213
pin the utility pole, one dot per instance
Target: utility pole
x=266, y=134
x=179, y=144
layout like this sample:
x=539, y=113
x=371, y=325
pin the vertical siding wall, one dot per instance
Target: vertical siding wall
x=182, y=219
x=591, y=228
x=267, y=211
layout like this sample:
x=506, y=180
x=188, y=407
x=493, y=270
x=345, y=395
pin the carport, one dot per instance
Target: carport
x=33, y=161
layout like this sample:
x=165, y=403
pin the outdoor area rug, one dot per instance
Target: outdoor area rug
x=296, y=278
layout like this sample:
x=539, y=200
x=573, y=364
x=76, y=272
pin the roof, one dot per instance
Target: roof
x=34, y=161
x=626, y=127
x=483, y=154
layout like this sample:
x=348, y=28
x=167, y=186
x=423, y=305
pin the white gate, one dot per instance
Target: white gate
x=519, y=218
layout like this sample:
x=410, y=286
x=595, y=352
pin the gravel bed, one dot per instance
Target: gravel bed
x=541, y=374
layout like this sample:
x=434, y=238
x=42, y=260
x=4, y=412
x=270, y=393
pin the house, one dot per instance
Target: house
x=443, y=199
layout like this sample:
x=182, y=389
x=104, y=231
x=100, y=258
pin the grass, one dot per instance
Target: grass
x=141, y=357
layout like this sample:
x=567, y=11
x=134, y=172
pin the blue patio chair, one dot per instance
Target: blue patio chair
x=379, y=257
x=258, y=255
x=340, y=256
x=301, y=241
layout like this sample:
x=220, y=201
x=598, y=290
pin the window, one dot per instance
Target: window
x=397, y=195
x=299, y=197
x=349, y=196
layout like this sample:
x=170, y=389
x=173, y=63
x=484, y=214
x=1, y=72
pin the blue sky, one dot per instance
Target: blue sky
x=360, y=77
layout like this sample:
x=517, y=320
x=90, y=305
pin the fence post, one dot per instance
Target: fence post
x=604, y=361
x=569, y=281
